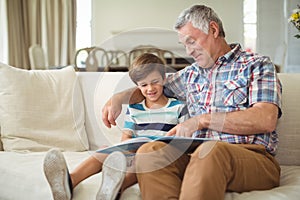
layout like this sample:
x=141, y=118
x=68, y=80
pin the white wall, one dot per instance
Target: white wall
x=123, y=24
x=270, y=30
x=114, y=16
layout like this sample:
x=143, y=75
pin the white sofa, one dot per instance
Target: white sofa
x=21, y=169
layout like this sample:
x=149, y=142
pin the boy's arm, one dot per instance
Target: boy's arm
x=113, y=106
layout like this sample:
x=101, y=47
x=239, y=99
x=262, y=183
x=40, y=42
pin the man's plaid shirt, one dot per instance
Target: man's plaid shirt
x=237, y=80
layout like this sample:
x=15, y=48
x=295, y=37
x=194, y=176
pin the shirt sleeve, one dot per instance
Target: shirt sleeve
x=129, y=123
x=183, y=113
x=175, y=85
x=265, y=86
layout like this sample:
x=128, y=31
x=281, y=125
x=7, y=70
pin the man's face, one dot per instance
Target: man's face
x=197, y=44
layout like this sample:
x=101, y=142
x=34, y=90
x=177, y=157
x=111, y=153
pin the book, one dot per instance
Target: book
x=128, y=147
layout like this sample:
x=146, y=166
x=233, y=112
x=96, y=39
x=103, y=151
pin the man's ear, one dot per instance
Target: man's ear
x=164, y=80
x=214, y=28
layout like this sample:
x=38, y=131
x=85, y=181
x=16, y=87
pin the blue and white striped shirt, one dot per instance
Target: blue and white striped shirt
x=143, y=121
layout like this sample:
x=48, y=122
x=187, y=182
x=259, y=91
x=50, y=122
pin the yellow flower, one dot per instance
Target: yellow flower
x=295, y=20
x=295, y=16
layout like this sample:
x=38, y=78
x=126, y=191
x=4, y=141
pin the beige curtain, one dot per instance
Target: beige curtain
x=49, y=23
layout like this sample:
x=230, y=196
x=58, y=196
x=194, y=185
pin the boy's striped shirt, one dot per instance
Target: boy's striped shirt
x=144, y=121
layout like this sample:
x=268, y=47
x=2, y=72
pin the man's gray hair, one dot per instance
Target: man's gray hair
x=200, y=16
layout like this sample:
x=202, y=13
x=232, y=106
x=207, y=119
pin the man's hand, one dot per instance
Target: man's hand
x=110, y=112
x=113, y=107
x=187, y=128
x=260, y=118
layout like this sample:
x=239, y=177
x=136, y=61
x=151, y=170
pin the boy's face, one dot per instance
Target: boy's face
x=152, y=86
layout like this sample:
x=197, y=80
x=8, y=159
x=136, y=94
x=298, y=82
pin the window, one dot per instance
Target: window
x=83, y=24
x=250, y=26
x=3, y=33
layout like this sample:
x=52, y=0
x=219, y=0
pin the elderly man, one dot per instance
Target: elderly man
x=233, y=98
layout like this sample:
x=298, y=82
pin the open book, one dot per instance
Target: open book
x=186, y=144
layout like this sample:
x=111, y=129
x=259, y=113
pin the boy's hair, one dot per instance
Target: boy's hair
x=143, y=65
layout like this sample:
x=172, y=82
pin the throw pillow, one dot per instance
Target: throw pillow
x=41, y=109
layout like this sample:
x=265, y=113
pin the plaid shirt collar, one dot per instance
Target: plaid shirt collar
x=230, y=56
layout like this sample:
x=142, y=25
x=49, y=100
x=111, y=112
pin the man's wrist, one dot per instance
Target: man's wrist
x=203, y=121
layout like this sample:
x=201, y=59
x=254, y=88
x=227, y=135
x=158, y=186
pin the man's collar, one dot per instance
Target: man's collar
x=235, y=49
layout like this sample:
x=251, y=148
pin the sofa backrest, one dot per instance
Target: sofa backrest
x=288, y=126
x=98, y=87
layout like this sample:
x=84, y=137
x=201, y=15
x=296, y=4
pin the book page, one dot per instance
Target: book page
x=127, y=146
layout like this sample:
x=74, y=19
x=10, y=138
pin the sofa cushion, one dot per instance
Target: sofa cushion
x=20, y=178
x=41, y=109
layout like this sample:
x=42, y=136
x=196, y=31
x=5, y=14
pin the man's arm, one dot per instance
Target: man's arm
x=260, y=118
x=113, y=106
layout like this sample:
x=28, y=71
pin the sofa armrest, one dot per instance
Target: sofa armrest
x=1, y=145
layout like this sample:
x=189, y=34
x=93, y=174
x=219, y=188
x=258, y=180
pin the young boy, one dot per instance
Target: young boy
x=147, y=118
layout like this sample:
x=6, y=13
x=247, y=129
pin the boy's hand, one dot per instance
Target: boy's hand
x=113, y=107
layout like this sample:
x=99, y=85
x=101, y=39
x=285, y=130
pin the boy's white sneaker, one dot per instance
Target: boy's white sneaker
x=113, y=174
x=57, y=174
